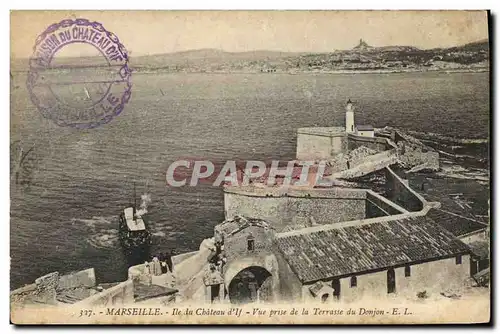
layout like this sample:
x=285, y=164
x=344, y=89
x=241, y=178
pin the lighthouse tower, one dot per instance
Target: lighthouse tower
x=349, y=117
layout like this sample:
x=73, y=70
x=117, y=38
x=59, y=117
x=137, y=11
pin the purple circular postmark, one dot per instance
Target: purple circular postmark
x=79, y=74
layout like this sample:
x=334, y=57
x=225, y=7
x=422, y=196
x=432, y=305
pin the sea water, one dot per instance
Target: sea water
x=66, y=217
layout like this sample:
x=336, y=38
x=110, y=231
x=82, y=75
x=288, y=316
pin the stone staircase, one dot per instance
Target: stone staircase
x=374, y=163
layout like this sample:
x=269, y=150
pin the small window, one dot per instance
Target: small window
x=250, y=244
x=324, y=297
x=407, y=271
x=354, y=282
x=458, y=259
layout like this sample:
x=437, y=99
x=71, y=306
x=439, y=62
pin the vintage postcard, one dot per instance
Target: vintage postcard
x=250, y=167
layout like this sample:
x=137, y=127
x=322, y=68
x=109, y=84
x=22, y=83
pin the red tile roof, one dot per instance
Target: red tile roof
x=370, y=247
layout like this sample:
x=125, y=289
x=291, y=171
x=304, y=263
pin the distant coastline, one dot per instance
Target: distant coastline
x=391, y=71
x=252, y=71
x=363, y=58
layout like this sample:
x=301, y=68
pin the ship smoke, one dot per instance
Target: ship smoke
x=143, y=208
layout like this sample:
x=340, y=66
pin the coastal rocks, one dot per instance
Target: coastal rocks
x=425, y=167
x=47, y=282
x=46, y=288
x=417, y=159
x=358, y=155
x=348, y=160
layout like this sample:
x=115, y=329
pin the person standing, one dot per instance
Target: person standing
x=163, y=262
x=156, y=267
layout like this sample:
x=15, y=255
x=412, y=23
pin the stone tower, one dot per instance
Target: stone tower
x=349, y=117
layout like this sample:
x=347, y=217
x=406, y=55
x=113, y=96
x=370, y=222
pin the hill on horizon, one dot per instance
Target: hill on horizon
x=217, y=58
x=362, y=45
x=205, y=57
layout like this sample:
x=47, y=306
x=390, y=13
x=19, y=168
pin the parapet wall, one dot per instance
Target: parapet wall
x=324, y=143
x=186, y=265
x=300, y=207
x=374, y=143
x=83, y=278
x=400, y=192
x=188, y=269
x=119, y=294
x=304, y=207
x=46, y=287
x=377, y=207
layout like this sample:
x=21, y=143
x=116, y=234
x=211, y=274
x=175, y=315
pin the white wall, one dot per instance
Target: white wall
x=366, y=133
x=120, y=294
x=432, y=277
x=473, y=237
x=349, y=121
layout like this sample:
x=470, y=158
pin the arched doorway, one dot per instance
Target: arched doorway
x=250, y=285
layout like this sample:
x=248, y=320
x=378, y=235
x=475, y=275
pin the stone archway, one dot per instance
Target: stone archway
x=250, y=285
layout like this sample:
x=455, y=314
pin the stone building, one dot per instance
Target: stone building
x=470, y=231
x=340, y=243
x=339, y=262
x=347, y=263
x=327, y=142
x=250, y=272
x=365, y=131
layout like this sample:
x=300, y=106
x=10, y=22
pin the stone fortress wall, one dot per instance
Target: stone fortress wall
x=325, y=206
x=326, y=143
x=296, y=208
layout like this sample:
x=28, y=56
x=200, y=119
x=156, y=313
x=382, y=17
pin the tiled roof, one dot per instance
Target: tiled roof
x=454, y=223
x=369, y=247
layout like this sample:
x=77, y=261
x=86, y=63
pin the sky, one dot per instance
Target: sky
x=156, y=32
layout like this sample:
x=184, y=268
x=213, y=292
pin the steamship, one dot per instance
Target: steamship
x=133, y=230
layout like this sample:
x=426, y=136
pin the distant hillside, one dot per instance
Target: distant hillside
x=208, y=56
x=362, y=57
x=217, y=53
x=482, y=45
